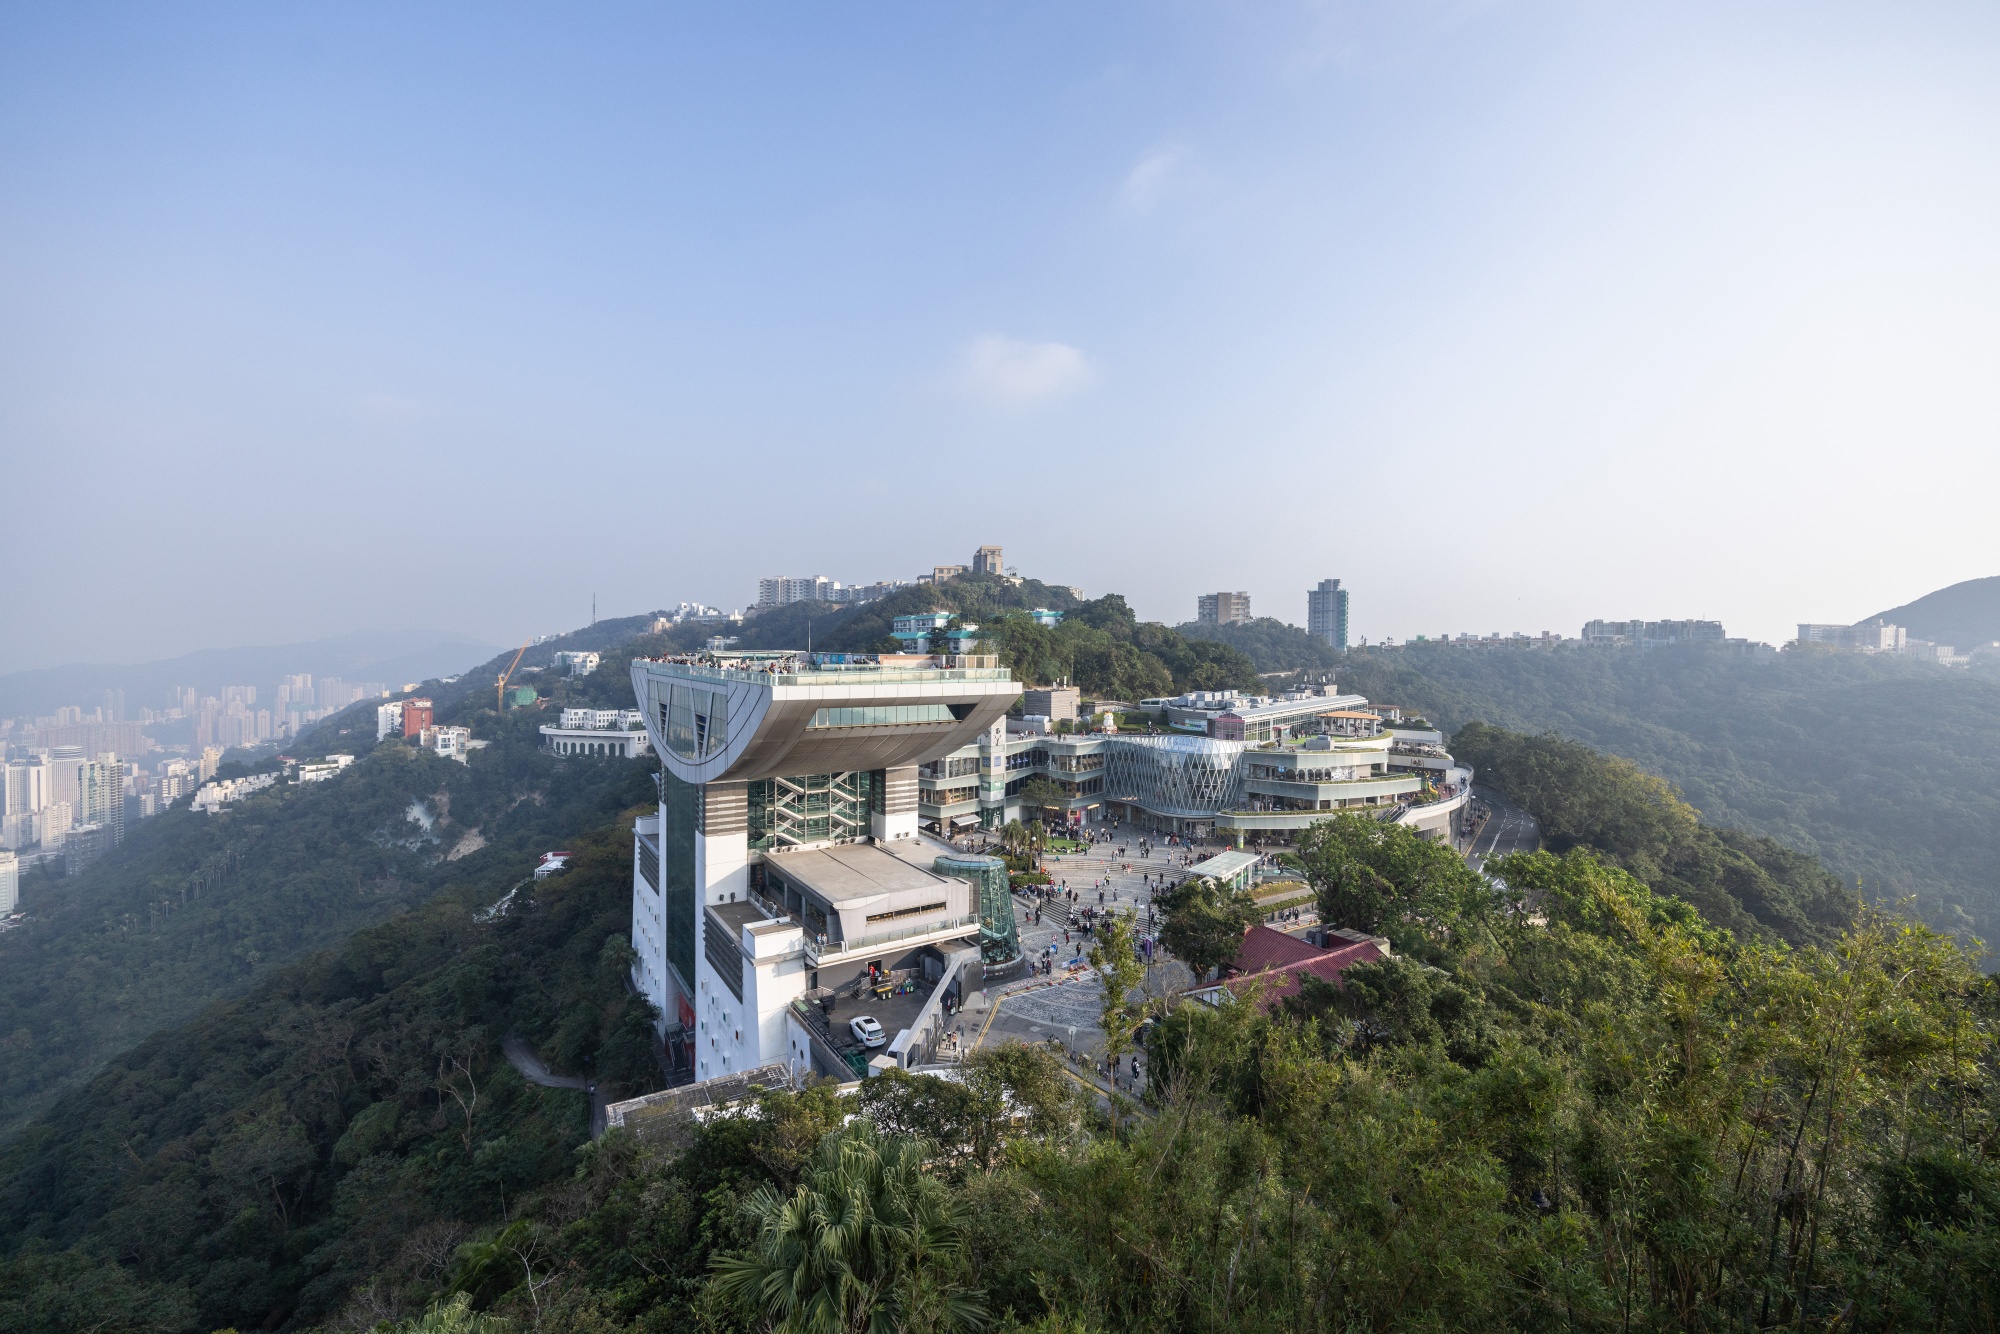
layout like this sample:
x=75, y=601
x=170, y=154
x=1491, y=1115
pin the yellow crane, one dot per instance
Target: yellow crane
x=500, y=685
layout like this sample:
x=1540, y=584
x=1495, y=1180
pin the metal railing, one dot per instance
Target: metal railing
x=818, y=948
x=860, y=674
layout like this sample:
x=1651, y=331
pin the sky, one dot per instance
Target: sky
x=323, y=318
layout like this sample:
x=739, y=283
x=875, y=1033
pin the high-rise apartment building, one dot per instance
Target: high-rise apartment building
x=101, y=786
x=1326, y=613
x=29, y=790
x=986, y=560
x=10, y=882
x=1222, y=608
x=66, y=776
x=55, y=825
x=784, y=589
x=416, y=716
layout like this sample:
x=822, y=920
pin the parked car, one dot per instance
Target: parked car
x=867, y=1032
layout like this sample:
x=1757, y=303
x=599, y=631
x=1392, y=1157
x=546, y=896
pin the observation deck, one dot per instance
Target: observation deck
x=733, y=717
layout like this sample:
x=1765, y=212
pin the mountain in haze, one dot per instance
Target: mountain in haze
x=389, y=656
x=1964, y=615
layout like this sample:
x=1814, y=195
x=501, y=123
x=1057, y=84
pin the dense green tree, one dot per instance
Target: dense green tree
x=1204, y=923
x=1270, y=644
x=1884, y=769
x=196, y=908
x=1043, y=795
x=1387, y=879
x=967, y=1119
x=867, y=1241
x=1751, y=885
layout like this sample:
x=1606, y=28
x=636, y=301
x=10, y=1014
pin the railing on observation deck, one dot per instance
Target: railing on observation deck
x=835, y=674
x=818, y=948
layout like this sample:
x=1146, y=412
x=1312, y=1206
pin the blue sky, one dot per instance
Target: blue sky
x=321, y=318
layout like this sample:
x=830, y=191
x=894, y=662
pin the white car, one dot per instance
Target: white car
x=867, y=1032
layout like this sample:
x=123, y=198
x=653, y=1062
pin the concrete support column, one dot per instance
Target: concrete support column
x=722, y=842
x=897, y=817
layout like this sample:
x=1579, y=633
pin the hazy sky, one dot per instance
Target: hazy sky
x=314, y=319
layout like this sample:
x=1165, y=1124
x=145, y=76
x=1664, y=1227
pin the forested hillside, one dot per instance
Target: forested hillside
x=1269, y=643
x=1100, y=646
x=192, y=908
x=1756, y=887
x=349, y=1121
x=1887, y=770
x=1574, y=1104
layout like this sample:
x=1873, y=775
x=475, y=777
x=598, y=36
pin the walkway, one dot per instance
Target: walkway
x=522, y=1057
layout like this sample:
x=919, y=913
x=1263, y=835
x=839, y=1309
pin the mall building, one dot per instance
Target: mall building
x=783, y=886
x=1245, y=769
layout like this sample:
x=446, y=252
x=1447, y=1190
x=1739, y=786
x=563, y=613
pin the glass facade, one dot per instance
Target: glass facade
x=810, y=808
x=999, y=937
x=1184, y=776
x=694, y=720
x=883, y=714
x=678, y=802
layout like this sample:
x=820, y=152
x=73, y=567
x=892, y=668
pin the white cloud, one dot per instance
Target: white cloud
x=1014, y=372
x=1152, y=177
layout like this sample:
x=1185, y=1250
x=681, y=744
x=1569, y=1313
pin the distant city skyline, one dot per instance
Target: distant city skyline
x=1515, y=315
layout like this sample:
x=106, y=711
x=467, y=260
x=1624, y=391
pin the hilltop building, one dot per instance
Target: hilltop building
x=925, y=633
x=619, y=732
x=450, y=743
x=1326, y=613
x=1244, y=769
x=784, y=870
x=1222, y=608
x=1879, y=636
x=1058, y=704
x=783, y=590
x=1650, y=634
x=318, y=771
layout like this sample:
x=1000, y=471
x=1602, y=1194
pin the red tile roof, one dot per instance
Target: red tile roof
x=1264, y=948
x=1283, y=978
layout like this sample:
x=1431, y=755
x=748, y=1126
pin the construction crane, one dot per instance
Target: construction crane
x=500, y=685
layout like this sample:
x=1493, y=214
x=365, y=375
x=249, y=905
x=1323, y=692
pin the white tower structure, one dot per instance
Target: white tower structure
x=783, y=870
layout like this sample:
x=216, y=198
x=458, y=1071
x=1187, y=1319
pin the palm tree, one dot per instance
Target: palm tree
x=868, y=1243
x=1014, y=839
x=1036, y=838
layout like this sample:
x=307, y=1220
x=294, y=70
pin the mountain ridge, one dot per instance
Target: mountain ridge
x=1965, y=615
